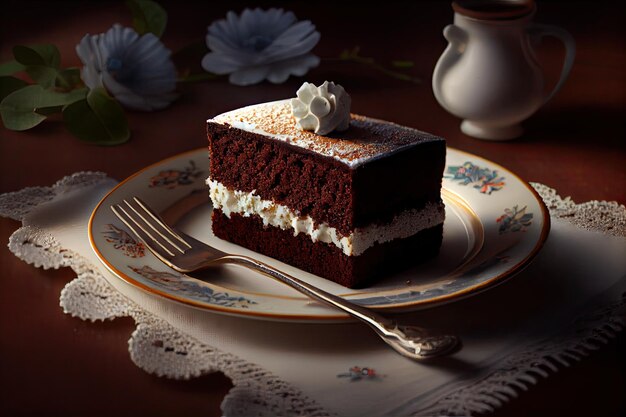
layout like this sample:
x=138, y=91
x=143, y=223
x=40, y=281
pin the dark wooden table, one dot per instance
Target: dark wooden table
x=53, y=364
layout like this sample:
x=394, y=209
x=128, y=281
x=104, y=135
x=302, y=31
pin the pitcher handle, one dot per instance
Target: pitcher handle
x=538, y=31
x=457, y=40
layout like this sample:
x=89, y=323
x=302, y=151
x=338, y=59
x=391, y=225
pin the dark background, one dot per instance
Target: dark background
x=53, y=364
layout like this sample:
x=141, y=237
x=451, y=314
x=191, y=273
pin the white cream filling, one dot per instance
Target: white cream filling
x=403, y=225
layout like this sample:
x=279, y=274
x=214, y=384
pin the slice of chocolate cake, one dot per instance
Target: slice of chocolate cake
x=348, y=206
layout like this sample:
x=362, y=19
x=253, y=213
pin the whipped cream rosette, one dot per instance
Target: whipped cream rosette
x=322, y=109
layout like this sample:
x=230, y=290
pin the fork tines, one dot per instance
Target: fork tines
x=150, y=228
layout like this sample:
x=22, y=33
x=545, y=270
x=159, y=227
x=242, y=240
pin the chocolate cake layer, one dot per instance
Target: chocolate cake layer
x=325, y=259
x=324, y=187
x=361, y=202
x=365, y=140
x=278, y=171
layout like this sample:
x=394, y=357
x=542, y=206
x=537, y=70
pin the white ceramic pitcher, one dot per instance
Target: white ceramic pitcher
x=489, y=75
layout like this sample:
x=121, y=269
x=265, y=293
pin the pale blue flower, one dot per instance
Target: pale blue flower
x=260, y=44
x=136, y=70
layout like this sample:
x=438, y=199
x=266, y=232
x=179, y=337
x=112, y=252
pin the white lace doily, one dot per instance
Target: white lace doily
x=608, y=217
x=154, y=346
x=161, y=349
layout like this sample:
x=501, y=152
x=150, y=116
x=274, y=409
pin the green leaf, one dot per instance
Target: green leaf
x=27, y=56
x=75, y=95
x=402, y=64
x=43, y=75
x=148, y=16
x=27, y=107
x=41, y=62
x=98, y=119
x=10, y=84
x=46, y=111
x=11, y=67
x=69, y=78
x=50, y=54
x=45, y=55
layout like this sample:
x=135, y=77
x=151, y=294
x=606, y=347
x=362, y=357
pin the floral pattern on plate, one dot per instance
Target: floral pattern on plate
x=477, y=251
x=484, y=179
x=124, y=242
x=356, y=373
x=172, y=178
x=191, y=288
x=514, y=220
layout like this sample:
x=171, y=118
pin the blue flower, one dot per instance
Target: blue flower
x=260, y=44
x=136, y=70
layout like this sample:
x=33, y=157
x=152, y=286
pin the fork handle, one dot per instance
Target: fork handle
x=410, y=341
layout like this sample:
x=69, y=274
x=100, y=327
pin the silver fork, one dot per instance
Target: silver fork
x=186, y=254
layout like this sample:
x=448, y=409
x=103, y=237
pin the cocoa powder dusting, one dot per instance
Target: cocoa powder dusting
x=366, y=139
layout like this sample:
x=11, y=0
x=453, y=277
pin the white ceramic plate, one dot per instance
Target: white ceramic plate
x=495, y=224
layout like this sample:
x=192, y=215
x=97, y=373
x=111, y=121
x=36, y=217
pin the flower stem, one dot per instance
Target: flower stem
x=352, y=55
x=63, y=81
